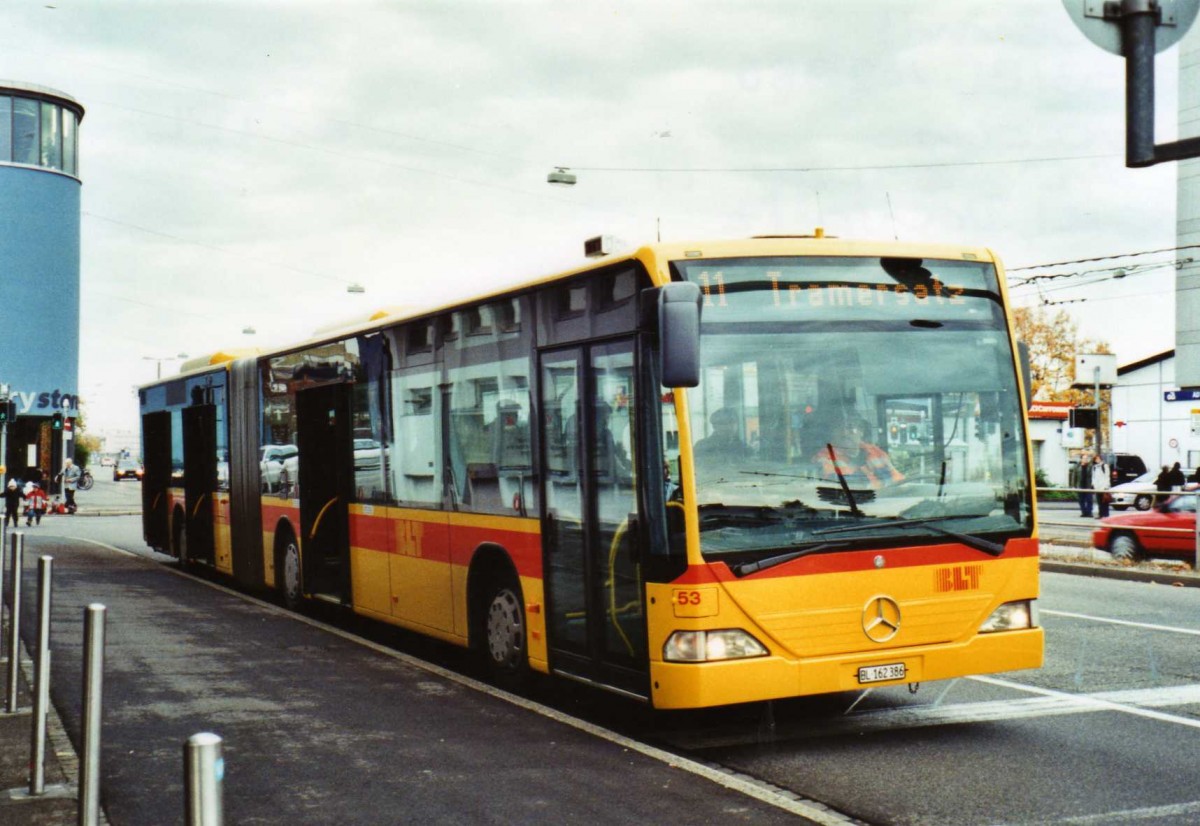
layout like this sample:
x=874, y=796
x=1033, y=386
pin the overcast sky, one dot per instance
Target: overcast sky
x=244, y=162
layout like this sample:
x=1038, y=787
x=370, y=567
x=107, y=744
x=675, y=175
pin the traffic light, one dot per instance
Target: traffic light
x=1085, y=417
x=56, y=421
x=8, y=411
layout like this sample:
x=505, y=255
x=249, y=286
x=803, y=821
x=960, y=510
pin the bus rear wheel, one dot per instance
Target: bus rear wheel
x=287, y=574
x=179, y=539
x=503, y=642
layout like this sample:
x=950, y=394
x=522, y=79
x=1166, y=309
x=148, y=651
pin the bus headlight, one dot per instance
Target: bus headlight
x=711, y=646
x=1011, y=616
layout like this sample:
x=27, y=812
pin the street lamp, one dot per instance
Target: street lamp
x=561, y=176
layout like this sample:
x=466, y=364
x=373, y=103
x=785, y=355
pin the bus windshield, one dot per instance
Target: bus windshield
x=848, y=401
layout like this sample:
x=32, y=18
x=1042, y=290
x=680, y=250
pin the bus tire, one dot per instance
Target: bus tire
x=502, y=632
x=1125, y=548
x=287, y=572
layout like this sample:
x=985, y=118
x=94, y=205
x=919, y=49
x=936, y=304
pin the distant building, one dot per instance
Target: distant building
x=1152, y=416
x=1047, y=432
x=39, y=270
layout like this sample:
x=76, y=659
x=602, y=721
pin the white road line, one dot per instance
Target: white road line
x=781, y=799
x=1122, y=816
x=1148, y=626
x=1095, y=701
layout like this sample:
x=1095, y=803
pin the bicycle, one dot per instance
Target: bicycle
x=85, y=481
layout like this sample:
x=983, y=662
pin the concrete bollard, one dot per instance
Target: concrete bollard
x=93, y=705
x=204, y=772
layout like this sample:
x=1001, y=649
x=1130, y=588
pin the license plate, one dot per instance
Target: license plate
x=881, y=673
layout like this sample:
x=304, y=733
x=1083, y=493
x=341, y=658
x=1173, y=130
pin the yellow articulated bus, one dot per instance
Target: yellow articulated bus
x=698, y=474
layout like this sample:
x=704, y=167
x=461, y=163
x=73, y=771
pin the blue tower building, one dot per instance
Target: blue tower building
x=39, y=275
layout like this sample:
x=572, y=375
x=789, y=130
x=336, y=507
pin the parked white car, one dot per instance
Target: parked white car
x=1139, y=493
x=279, y=466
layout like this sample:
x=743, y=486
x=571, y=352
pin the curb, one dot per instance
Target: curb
x=1181, y=579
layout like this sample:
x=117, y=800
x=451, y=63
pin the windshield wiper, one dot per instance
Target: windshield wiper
x=971, y=541
x=842, y=481
x=770, y=562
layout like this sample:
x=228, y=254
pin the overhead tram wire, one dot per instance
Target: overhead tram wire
x=1101, y=258
x=215, y=247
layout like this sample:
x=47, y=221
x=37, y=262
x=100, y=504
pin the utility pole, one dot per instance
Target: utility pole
x=4, y=400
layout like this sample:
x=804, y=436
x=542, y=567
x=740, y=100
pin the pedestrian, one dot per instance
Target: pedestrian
x=1176, y=478
x=1101, y=482
x=1083, y=485
x=12, y=504
x=35, y=507
x=70, y=478
x=1162, y=484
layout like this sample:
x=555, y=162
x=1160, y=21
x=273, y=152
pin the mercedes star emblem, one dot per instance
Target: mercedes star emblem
x=881, y=619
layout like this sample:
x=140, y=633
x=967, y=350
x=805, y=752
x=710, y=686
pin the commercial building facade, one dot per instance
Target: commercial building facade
x=39, y=272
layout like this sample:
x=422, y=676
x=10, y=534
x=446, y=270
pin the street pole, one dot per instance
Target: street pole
x=62, y=493
x=4, y=390
x=1099, y=417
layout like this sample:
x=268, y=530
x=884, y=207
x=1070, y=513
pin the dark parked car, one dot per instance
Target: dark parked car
x=1125, y=466
x=127, y=469
x=1168, y=530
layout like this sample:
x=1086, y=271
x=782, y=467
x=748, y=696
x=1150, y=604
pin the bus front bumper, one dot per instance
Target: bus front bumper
x=701, y=685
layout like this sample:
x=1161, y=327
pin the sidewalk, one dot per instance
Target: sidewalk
x=58, y=804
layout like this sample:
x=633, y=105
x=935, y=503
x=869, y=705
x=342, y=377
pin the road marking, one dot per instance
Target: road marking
x=1095, y=701
x=1146, y=625
x=1123, y=816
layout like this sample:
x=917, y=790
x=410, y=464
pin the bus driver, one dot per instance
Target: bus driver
x=861, y=463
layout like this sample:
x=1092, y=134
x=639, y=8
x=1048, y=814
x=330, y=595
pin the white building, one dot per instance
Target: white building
x=1051, y=440
x=1152, y=417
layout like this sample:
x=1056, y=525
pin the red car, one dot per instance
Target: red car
x=1167, y=530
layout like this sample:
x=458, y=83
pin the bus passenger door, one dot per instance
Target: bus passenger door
x=156, y=438
x=595, y=595
x=326, y=476
x=200, y=480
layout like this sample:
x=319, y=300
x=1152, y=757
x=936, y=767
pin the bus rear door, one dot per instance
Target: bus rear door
x=326, y=453
x=156, y=450
x=200, y=480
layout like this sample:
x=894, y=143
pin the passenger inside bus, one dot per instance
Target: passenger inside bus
x=861, y=463
x=725, y=442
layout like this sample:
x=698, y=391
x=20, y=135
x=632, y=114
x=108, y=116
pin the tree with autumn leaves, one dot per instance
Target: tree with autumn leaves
x=1053, y=340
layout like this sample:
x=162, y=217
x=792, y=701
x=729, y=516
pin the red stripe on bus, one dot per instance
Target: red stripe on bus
x=843, y=562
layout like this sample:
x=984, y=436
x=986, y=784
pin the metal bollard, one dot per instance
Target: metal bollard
x=3, y=557
x=14, y=621
x=93, y=695
x=41, y=681
x=204, y=771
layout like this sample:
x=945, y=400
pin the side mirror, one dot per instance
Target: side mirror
x=679, y=333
